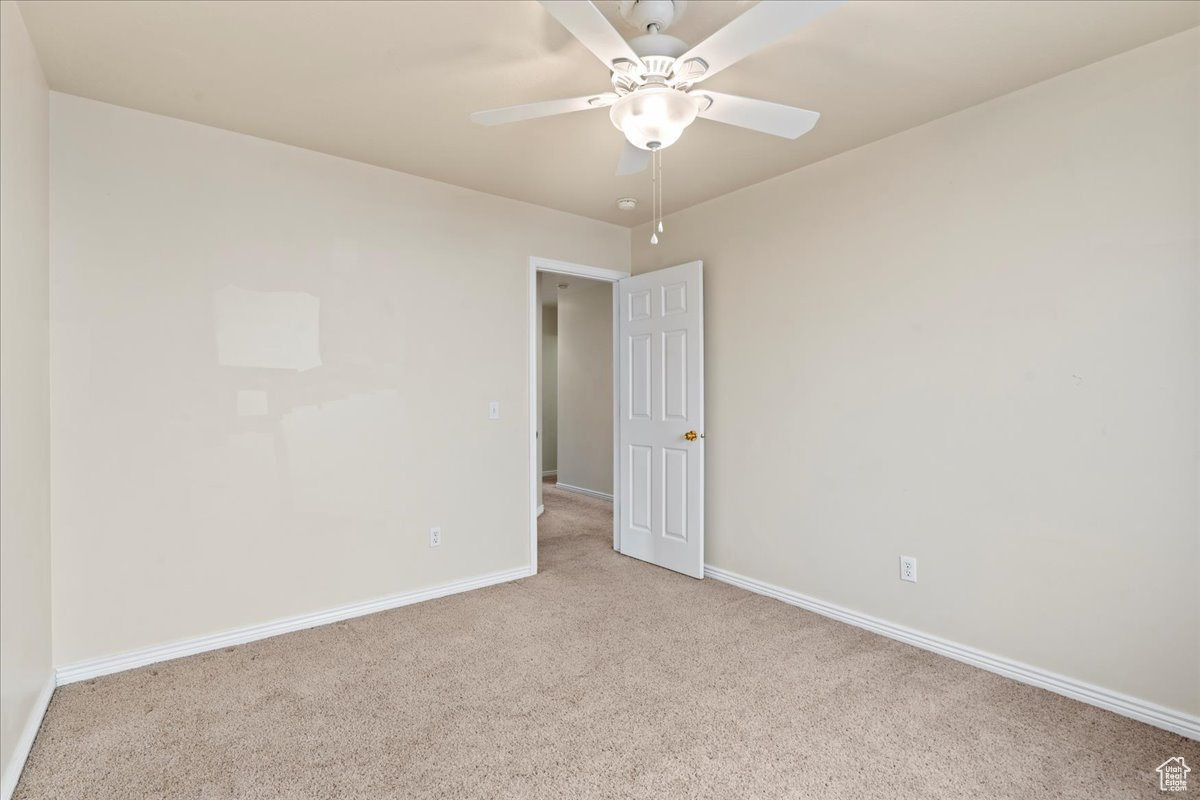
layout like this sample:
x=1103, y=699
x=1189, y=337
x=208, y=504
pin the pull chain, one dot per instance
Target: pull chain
x=655, y=195
x=660, y=192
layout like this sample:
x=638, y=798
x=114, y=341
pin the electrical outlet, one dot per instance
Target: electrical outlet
x=908, y=569
x=435, y=537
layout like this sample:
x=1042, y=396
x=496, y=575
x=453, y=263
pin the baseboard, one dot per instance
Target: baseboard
x=12, y=771
x=94, y=668
x=541, y=509
x=580, y=490
x=1150, y=713
x=549, y=472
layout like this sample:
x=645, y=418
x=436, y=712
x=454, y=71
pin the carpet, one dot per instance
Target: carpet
x=600, y=677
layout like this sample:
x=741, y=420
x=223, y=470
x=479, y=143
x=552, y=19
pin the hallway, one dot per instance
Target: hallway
x=573, y=527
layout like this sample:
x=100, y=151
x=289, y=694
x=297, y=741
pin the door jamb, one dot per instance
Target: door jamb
x=536, y=265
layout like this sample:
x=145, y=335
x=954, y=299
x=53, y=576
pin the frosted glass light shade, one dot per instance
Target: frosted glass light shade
x=653, y=118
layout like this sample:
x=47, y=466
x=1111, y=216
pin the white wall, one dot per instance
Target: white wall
x=976, y=343
x=549, y=388
x=180, y=510
x=25, y=664
x=585, y=438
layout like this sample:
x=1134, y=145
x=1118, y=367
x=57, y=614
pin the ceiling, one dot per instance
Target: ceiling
x=552, y=280
x=392, y=83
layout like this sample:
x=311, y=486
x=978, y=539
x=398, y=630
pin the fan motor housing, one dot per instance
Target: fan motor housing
x=658, y=44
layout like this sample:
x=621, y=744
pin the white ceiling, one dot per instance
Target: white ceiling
x=552, y=280
x=392, y=83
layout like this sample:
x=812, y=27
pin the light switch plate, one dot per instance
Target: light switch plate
x=494, y=409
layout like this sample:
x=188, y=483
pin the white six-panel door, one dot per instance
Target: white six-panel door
x=660, y=327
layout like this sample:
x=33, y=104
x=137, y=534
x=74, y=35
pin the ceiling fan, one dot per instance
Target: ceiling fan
x=655, y=75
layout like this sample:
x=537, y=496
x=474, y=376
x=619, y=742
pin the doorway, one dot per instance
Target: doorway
x=657, y=411
x=589, y=297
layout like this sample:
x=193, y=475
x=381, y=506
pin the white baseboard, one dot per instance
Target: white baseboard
x=580, y=490
x=1152, y=714
x=93, y=668
x=541, y=509
x=549, y=472
x=12, y=771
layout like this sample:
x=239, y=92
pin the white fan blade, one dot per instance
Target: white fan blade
x=763, y=24
x=546, y=108
x=758, y=115
x=633, y=159
x=587, y=24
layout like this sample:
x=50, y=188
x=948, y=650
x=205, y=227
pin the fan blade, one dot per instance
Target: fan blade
x=758, y=115
x=763, y=24
x=546, y=108
x=633, y=159
x=587, y=24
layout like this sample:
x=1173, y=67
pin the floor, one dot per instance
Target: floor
x=599, y=677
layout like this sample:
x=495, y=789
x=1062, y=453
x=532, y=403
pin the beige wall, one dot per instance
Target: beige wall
x=25, y=664
x=181, y=510
x=976, y=343
x=549, y=388
x=585, y=393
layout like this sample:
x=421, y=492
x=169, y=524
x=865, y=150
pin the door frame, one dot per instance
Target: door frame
x=538, y=264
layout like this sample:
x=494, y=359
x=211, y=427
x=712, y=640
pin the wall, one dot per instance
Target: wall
x=549, y=388
x=585, y=393
x=25, y=664
x=271, y=374
x=976, y=343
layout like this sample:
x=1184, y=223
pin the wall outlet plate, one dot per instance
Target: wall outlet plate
x=435, y=537
x=908, y=569
x=494, y=409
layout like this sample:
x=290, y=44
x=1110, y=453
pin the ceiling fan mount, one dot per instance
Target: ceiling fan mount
x=651, y=16
x=654, y=75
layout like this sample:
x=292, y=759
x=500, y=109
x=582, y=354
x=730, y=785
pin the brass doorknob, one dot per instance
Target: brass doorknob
x=691, y=436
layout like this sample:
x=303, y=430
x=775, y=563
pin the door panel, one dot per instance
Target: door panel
x=661, y=333
x=674, y=361
x=640, y=487
x=675, y=493
x=638, y=378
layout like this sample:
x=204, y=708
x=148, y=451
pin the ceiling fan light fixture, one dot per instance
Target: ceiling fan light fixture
x=653, y=117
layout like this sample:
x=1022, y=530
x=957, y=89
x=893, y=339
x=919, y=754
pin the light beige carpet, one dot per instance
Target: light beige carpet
x=599, y=677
